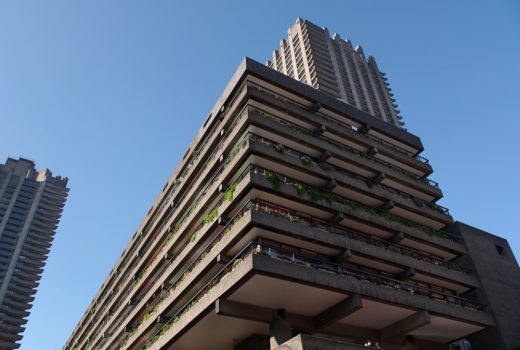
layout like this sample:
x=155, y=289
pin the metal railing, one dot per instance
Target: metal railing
x=320, y=264
x=341, y=123
x=257, y=248
x=427, y=230
x=311, y=221
x=345, y=147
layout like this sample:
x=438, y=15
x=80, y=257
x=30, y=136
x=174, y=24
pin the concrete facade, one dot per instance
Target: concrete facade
x=295, y=220
x=31, y=203
x=291, y=213
x=495, y=266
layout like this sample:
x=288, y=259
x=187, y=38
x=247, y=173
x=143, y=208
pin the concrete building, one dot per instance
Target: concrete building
x=31, y=203
x=294, y=221
x=334, y=66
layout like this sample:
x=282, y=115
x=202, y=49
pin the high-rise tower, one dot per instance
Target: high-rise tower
x=31, y=203
x=334, y=66
x=294, y=221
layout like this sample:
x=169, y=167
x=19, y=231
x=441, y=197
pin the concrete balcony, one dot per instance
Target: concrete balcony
x=154, y=240
x=349, y=184
x=151, y=326
x=363, y=163
x=300, y=230
x=244, y=296
x=365, y=139
x=364, y=219
x=302, y=96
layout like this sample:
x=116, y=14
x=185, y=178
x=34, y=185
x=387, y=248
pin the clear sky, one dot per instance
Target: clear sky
x=110, y=94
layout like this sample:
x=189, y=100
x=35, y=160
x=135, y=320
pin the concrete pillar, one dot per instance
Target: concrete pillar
x=280, y=330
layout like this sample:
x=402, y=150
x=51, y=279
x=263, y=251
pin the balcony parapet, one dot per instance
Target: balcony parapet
x=320, y=224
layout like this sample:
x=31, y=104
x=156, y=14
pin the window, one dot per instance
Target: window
x=500, y=250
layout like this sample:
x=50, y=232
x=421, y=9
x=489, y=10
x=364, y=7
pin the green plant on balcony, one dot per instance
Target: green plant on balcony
x=306, y=160
x=274, y=179
x=185, y=275
x=353, y=205
x=193, y=237
x=300, y=188
x=211, y=216
x=235, y=263
x=231, y=191
x=149, y=313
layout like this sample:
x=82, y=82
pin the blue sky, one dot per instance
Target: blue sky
x=110, y=94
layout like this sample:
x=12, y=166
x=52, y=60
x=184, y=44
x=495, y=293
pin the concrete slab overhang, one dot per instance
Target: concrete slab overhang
x=313, y=96
x=344, y=158
x=363, y=221
x=242, y=297
x=292, y=233
x=334, y=128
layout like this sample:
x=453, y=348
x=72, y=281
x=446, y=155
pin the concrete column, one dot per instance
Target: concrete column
x=280, y=330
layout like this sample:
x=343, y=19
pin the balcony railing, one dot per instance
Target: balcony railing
x=234, y=151
x=208, y=248
x=311, y=221
x=355, y=205
x=316, y=263
x=345, y=147
x=341, y=123
x=416, y=200
x=257, y=248
x=230, y=266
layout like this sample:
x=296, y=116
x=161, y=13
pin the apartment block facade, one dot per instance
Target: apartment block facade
x=31, y=203
x=294, y=221
x=334, y=66
x=302, y=216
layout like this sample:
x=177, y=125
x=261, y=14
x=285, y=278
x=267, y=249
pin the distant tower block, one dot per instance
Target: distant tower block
x=31, y=203
x=333, y=66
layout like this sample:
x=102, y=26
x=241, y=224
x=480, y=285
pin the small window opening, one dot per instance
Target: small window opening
x=500, y=250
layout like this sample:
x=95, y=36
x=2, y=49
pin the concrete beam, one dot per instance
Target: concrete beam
x=365, y=129
x=376, y=179
x=343, y=256
x=314, y=108
x=325, y=156
x=338, y=311
x=398, y=237
x=243, y=311
x=372, y=152
x=261, y=314
x=406, y=274
x=332, y=184
x=389, y=204
x=320, y=130
x=337, y=218
x=406, y=325
x=280, y=329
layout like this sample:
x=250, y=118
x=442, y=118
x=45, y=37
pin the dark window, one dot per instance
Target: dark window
x=500, y=250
